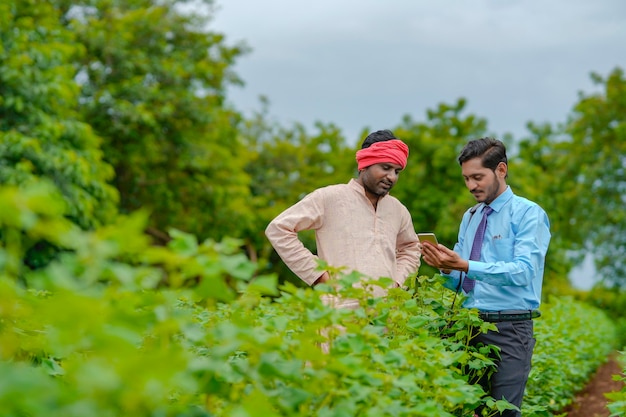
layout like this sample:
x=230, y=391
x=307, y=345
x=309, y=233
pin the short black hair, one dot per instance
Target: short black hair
x=378, y=136
x=491, y=152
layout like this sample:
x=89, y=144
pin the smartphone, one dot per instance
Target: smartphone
x=428, y=237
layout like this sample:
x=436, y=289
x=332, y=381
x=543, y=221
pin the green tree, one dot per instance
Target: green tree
x=41, y=135
x=598, y=140
x=579, y=169
x=539, y=170
x=153, y=82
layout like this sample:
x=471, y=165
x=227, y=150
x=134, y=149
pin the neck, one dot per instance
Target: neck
x=373, y=198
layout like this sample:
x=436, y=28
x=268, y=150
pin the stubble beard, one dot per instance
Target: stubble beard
x=490, y=194
x=377, y=193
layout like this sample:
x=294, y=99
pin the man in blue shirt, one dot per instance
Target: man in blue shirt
x=502, y=274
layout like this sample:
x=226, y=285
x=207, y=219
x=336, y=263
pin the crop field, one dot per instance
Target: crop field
x=119, y=327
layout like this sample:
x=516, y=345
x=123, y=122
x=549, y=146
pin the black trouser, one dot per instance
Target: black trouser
x=516, y=342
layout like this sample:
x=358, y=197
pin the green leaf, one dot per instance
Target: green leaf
x=264, y=284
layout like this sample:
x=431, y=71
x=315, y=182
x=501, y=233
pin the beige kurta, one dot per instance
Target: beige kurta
x=349, y=233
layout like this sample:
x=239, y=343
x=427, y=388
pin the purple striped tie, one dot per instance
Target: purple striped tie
x=468, y=283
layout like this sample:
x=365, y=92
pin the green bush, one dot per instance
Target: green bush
x=611, y=300
x=573, y=340
x=115, y=326
x=617, y=400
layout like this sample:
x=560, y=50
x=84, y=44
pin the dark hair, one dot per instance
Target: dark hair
x=378, y=136
x=491, y=152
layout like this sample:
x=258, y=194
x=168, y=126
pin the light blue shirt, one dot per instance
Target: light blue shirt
x=509, y=275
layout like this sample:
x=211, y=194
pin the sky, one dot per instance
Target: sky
x=364, y=64
x=367, y=63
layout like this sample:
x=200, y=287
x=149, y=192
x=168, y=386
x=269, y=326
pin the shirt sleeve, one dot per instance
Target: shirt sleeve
x=282, y=232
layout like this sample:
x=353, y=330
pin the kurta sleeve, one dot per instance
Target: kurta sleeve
x=282, y=232
x=408, y=250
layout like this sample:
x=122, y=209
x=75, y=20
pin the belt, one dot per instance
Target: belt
x=509, y=315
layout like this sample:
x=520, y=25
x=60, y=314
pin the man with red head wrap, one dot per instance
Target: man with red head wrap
x=358, y=225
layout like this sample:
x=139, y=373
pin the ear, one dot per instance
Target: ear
x=502, y=169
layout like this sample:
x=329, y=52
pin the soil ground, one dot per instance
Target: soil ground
x=591, y=402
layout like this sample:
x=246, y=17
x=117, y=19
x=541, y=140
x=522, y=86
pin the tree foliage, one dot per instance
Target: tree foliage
x=41, y=132
x=579, y=168
x=153, y=82
x=123, y=104
x=598, y=132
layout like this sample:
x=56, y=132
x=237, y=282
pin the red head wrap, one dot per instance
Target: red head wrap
x=391, y=151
